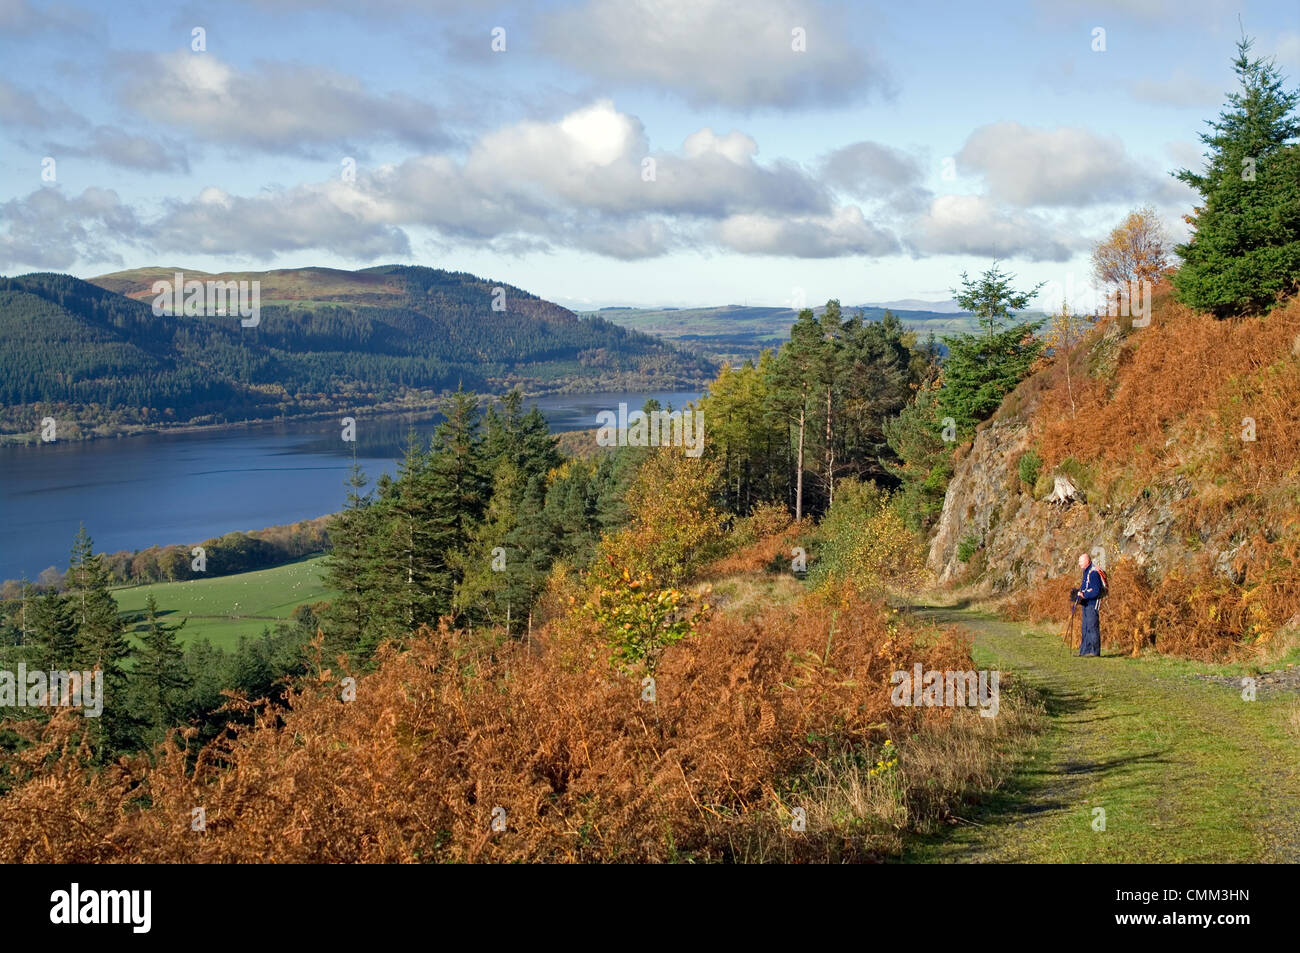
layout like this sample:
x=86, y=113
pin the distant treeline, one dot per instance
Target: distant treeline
x=223, y=556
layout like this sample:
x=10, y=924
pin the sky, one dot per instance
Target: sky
x=612, y=152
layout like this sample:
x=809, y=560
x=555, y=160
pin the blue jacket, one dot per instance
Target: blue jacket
x=1090, y=587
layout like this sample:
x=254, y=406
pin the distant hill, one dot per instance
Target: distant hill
x=94, y=355
x=916, y=304
x=736, y=333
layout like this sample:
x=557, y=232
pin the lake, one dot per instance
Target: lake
x=161, y=489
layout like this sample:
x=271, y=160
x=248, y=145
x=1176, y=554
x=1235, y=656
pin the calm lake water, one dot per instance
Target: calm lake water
x=161, y=489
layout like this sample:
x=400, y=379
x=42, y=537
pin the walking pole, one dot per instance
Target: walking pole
x=1069, y=627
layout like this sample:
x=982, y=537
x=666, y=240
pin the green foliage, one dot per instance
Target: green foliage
x=159, y=680
x=814, y=413
x=968, y=547
x=1028, y=467
x=924, y=460
x=981, y=369
x=864, y=541
x=639, y=617
x=1245, y=251
x=469, y=529
x=992, y=299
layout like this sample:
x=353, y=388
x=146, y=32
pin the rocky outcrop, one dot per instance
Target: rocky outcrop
x=995, y=534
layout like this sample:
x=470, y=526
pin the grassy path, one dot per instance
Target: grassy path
x=1184, y=768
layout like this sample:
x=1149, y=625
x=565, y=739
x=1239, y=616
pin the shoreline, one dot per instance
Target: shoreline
x=424, y=407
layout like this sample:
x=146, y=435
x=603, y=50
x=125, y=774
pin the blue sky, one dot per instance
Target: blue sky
x=903, y=144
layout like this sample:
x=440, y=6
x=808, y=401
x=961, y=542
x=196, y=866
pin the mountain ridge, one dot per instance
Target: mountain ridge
x=93, y=354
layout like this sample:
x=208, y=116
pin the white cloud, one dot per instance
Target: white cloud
x=1056, y=167
x=578, y=182
x=276, y=107
x=127, y=151
x=717, y=52
x=36, y=110
x=869, y=170
x=974, y=225
x=329, y=216
x=48, y=229
x=843, y=232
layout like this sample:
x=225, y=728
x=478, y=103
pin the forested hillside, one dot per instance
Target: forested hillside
x=326, y=341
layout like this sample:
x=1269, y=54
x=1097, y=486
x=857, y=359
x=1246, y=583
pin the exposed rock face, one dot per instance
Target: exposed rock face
x=1021, y=540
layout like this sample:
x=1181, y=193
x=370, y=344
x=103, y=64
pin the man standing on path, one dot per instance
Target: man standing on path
x=1086, y=595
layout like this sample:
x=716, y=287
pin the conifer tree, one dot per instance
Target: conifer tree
x=1245, y=250
x=53, y=632
x=350, y=567
x=160, y=679
x=101, y=644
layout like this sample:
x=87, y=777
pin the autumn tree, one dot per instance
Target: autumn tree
x=1065, y=330
x=1135, y=250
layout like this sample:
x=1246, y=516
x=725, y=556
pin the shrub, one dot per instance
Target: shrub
x=864, y=541
x=968, y=547
x=1028, y=468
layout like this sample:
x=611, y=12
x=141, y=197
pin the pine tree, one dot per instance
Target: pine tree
x=160, y=679
x=485, y=566
x=1245, y=250
x=349, y=567
x=796, y=380
x=53, y=632
x=101, y=644
x=981, y=369
x=925, y=460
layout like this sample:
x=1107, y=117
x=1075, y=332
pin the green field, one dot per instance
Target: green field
x=227, y=607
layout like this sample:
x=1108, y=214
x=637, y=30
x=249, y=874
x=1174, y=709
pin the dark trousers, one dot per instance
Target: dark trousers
x=1090, y=641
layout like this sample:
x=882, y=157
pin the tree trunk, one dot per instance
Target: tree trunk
x=798, y=478
x=830, y=454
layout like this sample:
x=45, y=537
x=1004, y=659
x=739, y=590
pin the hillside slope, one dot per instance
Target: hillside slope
x=95, y=355
x=1181, y=439
x=737, y=333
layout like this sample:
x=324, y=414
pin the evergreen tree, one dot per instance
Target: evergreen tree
x=796, y=377
x=924, y=464
x=483, y=593
x=53, y=632
x=981, y=369
x=1245, y=250
x=101, y=644
x=350, y=567
x=160, y=679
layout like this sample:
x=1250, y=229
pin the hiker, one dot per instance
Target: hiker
x=1089, y=591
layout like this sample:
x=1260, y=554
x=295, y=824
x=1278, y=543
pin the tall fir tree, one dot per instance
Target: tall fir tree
x=102, y=644
x=983, y=368
x=160, y=680
x=350, y=566
x=1244, y=251
x=53, y=632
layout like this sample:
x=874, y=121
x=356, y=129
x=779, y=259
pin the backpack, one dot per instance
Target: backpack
x=1105, y=586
